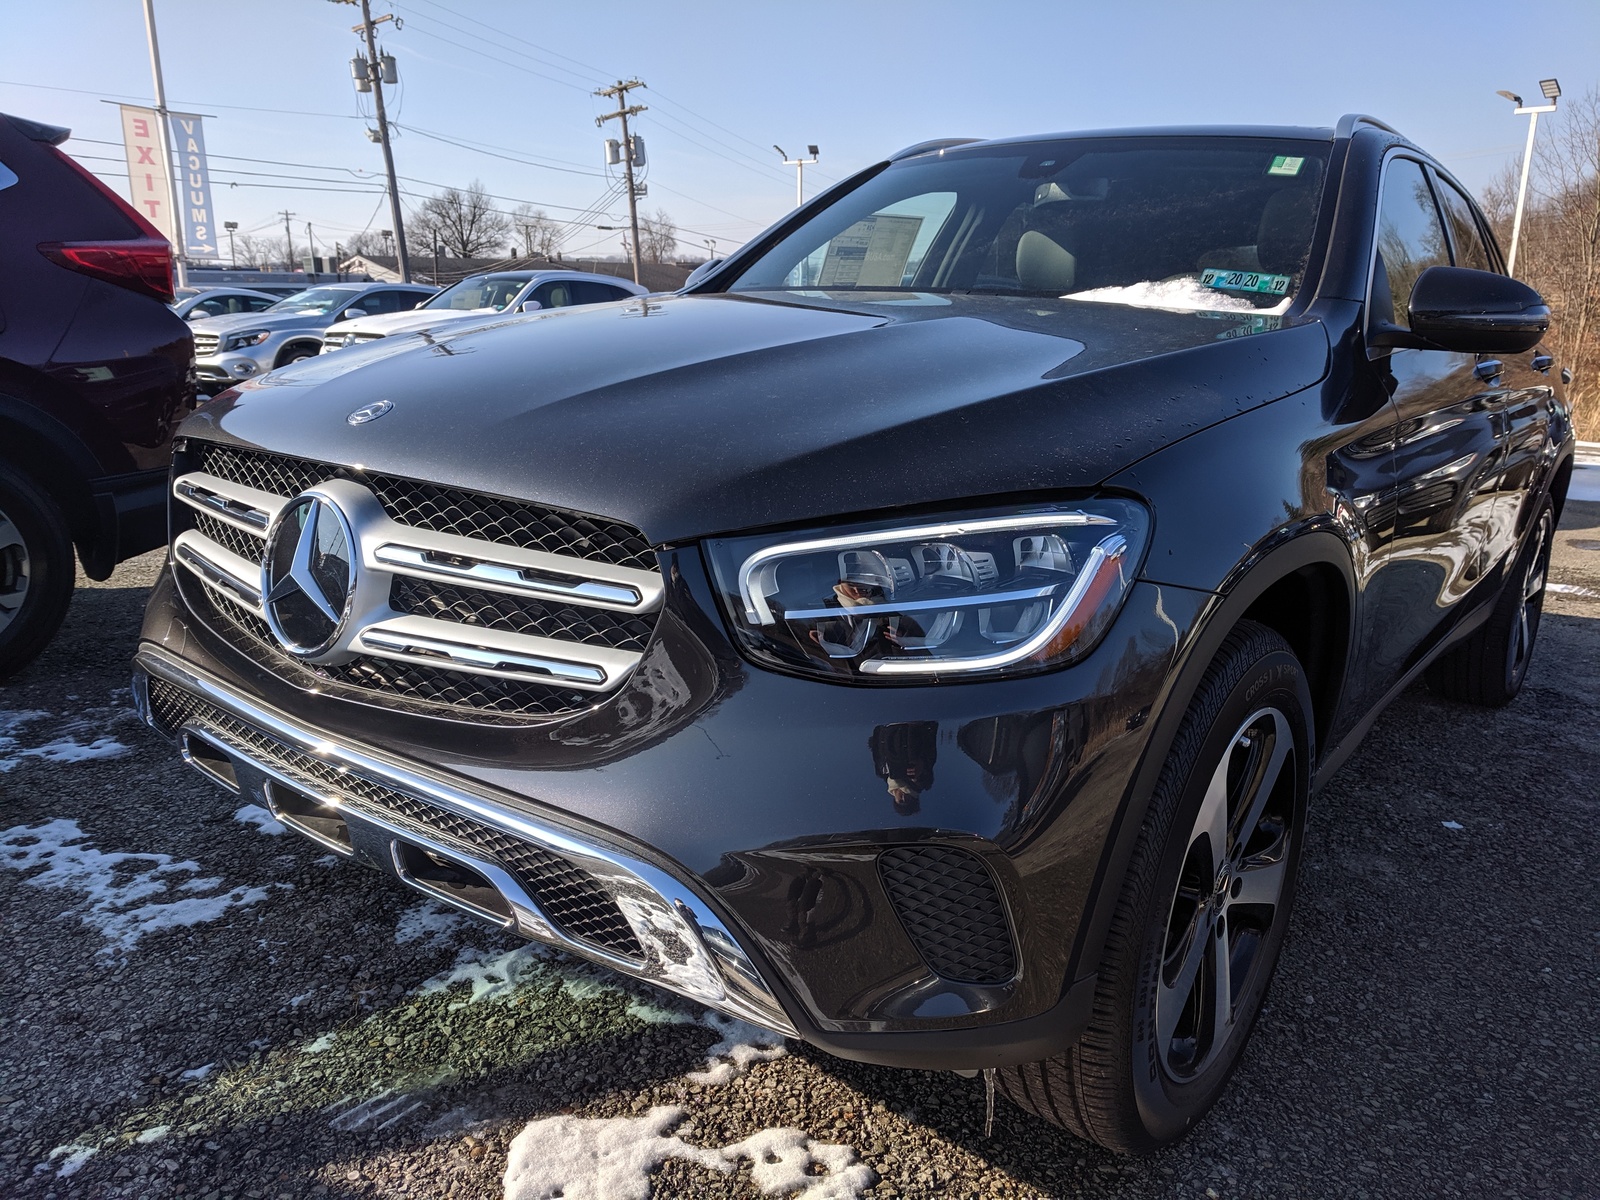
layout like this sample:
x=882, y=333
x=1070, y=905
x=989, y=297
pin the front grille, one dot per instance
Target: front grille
x=568, y=895
x=495, y=610
x=951, y=909
x=427, y=686
x=206, y=343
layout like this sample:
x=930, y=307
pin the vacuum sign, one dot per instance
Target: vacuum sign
x=194, y=175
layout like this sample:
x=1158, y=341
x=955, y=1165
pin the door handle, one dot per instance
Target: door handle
x=1489, y=369
x=1543, y=362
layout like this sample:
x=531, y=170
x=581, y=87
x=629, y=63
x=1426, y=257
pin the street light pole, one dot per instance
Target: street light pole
x=166, y=142
x=1552, y=92
x=799, y=165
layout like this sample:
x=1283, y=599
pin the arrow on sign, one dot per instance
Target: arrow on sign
x=200, y=246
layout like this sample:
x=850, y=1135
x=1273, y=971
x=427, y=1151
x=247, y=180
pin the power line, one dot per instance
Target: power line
x=289, y=112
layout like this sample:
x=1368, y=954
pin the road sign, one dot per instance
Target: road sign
x=149, y=175
x=199, y=226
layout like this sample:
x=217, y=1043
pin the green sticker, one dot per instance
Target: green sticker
x=1286, y=164
x=1245, y=281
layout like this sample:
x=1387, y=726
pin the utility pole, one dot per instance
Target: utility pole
x=624, y=111
x=288, y=239
x=799, y=165
x=166, y=140
x=375, y=74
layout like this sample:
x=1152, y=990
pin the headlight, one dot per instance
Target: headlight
x=241, y=341
x=987, y=593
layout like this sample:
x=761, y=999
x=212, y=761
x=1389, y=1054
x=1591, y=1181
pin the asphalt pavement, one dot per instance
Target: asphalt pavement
x=195, y=1004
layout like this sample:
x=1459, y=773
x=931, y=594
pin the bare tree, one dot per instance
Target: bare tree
x=1559, y=248
x=658, y=238
x=463, y=223
x=534, y=232
x=249, y=250
x=367, y=243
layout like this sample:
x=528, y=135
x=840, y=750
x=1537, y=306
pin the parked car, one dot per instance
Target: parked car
x=94, y=377
x=234, y=348
x=925, y=635
x=223, y=302
x=481, y=296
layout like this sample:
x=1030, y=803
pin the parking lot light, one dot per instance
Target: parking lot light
x=1552, y=92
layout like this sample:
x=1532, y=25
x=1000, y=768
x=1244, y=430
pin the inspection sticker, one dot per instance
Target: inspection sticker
x=1245, y=281
x=1286, y=164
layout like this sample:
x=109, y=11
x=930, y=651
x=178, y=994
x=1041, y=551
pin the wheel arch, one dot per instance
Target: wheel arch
x=1303, y=578
x=314, y=344
x=51, y=457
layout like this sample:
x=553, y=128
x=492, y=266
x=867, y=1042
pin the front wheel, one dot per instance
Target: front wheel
x=1202, y=913
x=294, y=354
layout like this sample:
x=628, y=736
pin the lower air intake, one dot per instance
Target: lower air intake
x=951, y=909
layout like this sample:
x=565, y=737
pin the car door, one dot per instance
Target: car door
x=1525, y=394
x=1448, y=443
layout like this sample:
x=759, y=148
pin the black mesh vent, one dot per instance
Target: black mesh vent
x=229, y=537
x=444, y=510
x=496, y=610
x=567, y=894
x=434, y=685
x=952, y=910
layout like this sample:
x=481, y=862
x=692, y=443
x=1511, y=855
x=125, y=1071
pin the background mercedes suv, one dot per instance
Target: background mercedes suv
x=925, y=634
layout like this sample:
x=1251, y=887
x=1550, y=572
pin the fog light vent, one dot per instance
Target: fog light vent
x=951, y=909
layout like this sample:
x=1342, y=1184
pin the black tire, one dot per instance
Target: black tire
x=1488, y=669
x=1148, y=1067
x=37, y=571
x=295, y=353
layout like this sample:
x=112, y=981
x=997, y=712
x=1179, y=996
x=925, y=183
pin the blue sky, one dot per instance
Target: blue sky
x=727, y=80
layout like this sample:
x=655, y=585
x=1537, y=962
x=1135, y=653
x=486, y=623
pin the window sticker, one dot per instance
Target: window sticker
x=1245, y=281
x=1286, y=164
x=871, y=253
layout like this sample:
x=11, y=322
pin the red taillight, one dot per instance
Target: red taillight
x=140, y=264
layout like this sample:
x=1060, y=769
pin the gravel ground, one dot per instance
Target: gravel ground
x=1431, y=1030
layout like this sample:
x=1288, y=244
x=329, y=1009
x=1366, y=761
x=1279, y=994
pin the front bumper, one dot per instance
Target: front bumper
x=767, y=805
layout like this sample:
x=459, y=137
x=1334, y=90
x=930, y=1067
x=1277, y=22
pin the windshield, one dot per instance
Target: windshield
x=480, y=291
x=319, y=300
x=1186, y=223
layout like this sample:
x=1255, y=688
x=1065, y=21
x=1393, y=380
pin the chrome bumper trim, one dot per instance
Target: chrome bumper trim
x=666, y=915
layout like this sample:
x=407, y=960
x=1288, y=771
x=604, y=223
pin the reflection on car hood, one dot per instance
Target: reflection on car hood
x=389, y=324
x=692, y=415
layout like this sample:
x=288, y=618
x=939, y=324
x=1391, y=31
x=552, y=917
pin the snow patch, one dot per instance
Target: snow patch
x=325, y=1042
x=428, y=922
x=72, y=1158
x=742, y=1044
x=197, y=1073
x=120, y=889
x=1452, y=824
x=265, y=822
x=81, y=738
x=154, y=1134
x=1572, y=589
x=655, y=1014
x=613, y=1158
x=490, y=974
x=1176, y=295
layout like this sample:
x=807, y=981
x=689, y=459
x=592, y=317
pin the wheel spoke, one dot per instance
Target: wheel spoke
x=1171, y=1000
x=10, y=535
x=1260, y=878
x=1221, y=993
x=1213, y=817
x=1265, y=783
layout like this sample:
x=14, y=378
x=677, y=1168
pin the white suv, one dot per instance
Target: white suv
x=479, y=296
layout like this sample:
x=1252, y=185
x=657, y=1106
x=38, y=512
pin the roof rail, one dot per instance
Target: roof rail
x=935, y=144
x=1348, y=122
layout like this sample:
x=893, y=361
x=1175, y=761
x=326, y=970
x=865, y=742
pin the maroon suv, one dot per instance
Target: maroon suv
x=94, y=375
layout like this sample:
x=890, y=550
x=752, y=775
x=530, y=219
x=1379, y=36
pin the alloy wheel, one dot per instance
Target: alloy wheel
x=13, y=570
x=1228, y=894
x=1519, y=646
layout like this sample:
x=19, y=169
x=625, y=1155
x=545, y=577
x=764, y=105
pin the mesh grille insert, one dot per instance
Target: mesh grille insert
x=230, y=537
x=567, y=894
x=951, y=908
x=496, y=610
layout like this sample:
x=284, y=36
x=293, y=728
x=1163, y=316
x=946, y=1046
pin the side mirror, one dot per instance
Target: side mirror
x=350, y=314
x=700, y=272
x=529, y=306
x=1472, y=312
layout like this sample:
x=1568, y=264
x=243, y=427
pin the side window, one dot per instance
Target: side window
x=586, y=292
x=1470, y=251
x=258, y=303
x=1410, y=240
x=618, y=293
x=553, y=295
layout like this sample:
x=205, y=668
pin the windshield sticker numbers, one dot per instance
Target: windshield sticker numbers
x=1245, y=281
x=1286, y=164
x=871, y=253
x=1262, y=324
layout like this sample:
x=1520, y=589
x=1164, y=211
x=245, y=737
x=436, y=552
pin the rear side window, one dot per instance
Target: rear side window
x=586, y=292
x=1470, y=250
x=385, y=302
x=1410, y=240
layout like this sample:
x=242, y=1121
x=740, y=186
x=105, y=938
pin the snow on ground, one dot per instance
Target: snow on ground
x=254, y=814
x=741, y=1045
x=1177, y=295
x=613, y=1158
x=1585, y=483
x=124, y=893
x=79, y=738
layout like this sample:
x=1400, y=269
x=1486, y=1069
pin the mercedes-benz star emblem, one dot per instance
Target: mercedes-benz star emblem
x=309, y=575
x=368, y=412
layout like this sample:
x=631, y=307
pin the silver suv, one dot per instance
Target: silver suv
x=231, y=349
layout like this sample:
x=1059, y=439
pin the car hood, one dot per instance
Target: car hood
x=389, y=324
x=236, y=322
x=692, y=415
